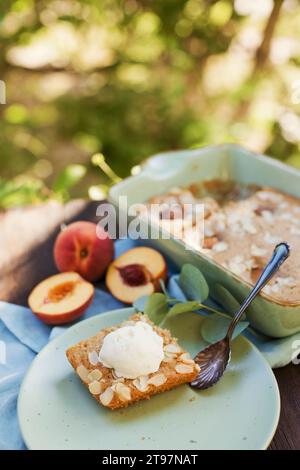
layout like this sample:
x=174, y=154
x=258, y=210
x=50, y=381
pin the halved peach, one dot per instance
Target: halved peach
x=61, y=298
x=136, y=273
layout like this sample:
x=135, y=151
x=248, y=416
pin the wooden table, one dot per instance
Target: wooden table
x=26, y=244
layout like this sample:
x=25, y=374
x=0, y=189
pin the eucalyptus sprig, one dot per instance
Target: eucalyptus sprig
x=160, y=307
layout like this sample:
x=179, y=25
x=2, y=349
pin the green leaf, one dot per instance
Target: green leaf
x=193, y=283
x=140, y=303
x=183, y=307
x=21, y=190
x=68, y=178
x=226, y=299
x=214, y=328
x=156, y=307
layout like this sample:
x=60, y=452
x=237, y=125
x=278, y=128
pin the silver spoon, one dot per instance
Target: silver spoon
x=213, y=360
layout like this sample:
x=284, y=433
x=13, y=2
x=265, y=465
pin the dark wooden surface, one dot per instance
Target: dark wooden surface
x=26, y=243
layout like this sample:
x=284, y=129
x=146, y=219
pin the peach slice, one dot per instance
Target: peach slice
x=136, y=273
x=61, y=298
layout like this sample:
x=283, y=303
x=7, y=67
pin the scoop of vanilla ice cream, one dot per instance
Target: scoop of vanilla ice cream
x=132, y=351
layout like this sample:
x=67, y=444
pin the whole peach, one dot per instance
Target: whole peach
x=79, y=248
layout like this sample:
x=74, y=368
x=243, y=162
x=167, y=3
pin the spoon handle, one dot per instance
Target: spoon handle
x=280, y=254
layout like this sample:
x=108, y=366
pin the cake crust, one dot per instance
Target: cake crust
x=114, y=392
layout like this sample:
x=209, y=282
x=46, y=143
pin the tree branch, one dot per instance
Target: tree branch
x=263, y=51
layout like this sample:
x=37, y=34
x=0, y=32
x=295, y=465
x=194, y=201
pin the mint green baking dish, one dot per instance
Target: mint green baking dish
x=181, y=168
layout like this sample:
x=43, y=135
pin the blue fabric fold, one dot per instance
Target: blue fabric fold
x=22, y=336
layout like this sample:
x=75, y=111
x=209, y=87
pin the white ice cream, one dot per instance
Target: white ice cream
x=132, y=351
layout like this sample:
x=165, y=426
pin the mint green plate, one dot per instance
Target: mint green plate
x=57, y=412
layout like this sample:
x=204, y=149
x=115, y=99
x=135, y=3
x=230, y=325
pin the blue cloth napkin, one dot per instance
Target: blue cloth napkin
x=22, y=336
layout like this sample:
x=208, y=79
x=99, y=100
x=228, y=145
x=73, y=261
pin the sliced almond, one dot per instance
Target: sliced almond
x=95, y=387
x=95, y=374
x=157, y=380
x=220, y=247
x=184, y=369
x=117, y=377
x=186, y=358
x=83, y=373
x=172, y=348
x=93, y=358
x=187, y=361
x=141, y=383
x=123, y=391
x=257, y=251
x=116, y=382
x=107, y=396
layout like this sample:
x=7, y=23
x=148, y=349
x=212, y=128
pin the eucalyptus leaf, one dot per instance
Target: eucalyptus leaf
x=226, y=300
x=70, y=176
x=193, y=283
x=214, y=328
x=140, y=303
x=183, y=307
x=156, y=307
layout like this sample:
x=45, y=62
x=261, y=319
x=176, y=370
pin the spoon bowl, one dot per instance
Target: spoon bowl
x=213, y=361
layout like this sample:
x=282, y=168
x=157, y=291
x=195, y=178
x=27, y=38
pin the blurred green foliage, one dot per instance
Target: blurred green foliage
x=130, y=78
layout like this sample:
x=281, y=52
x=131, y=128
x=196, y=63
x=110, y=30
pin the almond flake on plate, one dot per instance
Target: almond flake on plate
x=116, y=377
x=184, y=369
x=172, y=348
x=186, y=358
x=93, y=358
x=95, y=374
x=95, y=387
x=141, y=383
x=83, y=373
x=157, y=380
x=123, y=391
x=107, y=396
